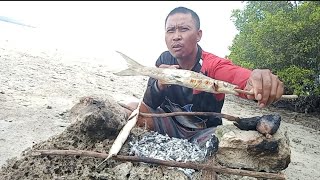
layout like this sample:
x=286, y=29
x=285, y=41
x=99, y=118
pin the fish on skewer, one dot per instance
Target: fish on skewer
x=182, y=77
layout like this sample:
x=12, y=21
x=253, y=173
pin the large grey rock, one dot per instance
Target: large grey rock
x=98, y=118
x=251, y=150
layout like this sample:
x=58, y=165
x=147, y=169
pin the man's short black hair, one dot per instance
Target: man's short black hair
x=185, y=10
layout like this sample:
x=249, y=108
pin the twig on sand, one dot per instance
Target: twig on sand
x=208, y=174
x=229, y=117
x=188, y=165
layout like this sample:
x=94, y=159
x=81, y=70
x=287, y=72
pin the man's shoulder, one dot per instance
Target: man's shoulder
x=210, y=57
x=166, y=58
x=166, y=55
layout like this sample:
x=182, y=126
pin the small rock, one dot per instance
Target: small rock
x=49, y=107
x=1, y=92
x=298, y=141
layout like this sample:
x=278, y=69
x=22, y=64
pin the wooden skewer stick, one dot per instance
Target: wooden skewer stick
x=229, y=117
x=251, y=93
x=188, y=165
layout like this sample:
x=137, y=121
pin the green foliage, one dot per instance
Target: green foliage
x=299, y=79
x=281, y=36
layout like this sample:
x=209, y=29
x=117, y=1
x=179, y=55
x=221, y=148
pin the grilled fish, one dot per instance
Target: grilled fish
x=182, y=77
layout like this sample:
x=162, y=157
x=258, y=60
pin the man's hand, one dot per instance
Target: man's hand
x=267, y=88
x=163, y=86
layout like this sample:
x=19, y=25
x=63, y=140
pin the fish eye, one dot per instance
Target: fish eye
x=225, y=84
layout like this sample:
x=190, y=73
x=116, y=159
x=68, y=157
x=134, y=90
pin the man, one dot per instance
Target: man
x=182, y=34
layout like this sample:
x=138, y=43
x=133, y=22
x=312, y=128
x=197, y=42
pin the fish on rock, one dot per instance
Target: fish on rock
x=269, y=125
x=266, y=124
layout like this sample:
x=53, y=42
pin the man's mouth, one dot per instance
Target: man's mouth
x=176, y=46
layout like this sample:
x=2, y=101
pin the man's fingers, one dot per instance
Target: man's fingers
x=169, y=66
x=256, y=80
x=175, y=66
x=266, y=86
x=280, y=90
x=251, y=97
x=164, y=66
x=161, y=84
x=273, y=90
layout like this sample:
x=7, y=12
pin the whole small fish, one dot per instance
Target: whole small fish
x=268, y=125
x=182, y=77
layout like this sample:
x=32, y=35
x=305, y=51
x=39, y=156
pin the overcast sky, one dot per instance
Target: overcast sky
x=135, y=28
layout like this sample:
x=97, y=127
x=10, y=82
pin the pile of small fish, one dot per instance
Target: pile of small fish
x=158, y=146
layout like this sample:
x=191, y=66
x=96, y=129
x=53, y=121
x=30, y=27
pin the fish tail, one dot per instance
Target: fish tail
x=133, y=67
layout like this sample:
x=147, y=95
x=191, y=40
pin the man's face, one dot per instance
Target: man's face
x=181, y=35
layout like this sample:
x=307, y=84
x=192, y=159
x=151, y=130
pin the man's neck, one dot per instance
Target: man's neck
x=189, y=62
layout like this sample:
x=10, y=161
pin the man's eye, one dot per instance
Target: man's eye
x=184, y=29
x=170, y=31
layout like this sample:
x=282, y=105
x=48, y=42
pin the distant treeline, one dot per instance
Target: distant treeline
x=283, y=36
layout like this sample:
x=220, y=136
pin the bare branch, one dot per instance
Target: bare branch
x=188, y=165
x=220, y=115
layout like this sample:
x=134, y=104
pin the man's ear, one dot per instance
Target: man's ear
x=199, y=35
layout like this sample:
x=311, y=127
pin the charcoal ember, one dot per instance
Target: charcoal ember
x=264, y=147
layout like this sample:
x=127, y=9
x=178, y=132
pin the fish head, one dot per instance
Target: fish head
x=269, y=124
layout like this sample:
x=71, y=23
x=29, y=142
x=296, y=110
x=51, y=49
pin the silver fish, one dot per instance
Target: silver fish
x=182, y=77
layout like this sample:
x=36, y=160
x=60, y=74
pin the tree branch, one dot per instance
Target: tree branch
x=220, y=115
x=188, y=165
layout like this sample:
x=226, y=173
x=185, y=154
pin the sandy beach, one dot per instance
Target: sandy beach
x=39, y=87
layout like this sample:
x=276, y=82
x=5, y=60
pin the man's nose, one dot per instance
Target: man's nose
x=177, y=36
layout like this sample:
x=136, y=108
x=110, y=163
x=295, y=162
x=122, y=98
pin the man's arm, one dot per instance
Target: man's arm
x=225, y=70
x=267, y=88
x=153, y=96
